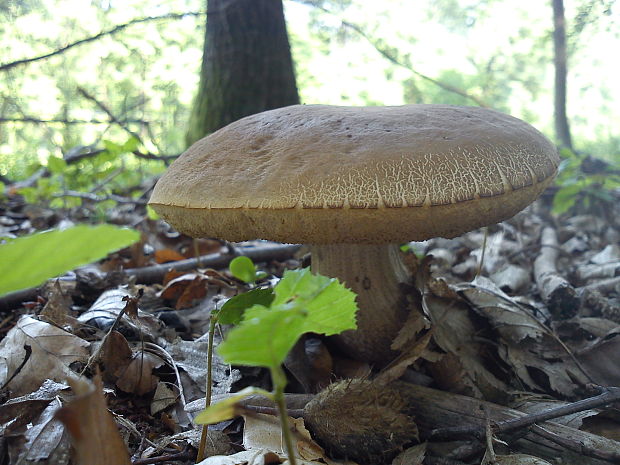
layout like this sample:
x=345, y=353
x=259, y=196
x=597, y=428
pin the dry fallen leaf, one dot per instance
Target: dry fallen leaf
x=517, y=459
x=524, y=343
x=601, y=359
x=27, y=424
x=57, y=307
x=190, y=357
x=263, y=433
x=167, y=255
x=44, y=437
x=412, y=456
x=93, y=431
x=18, y=412
x=138, y=378
x=116, y=355
x=110, y=304
x=164, y=397
x=464, y=368
x=246, y=457
x=34, y=351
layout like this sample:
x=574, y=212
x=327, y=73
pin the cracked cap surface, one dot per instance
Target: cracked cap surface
x=330, y=174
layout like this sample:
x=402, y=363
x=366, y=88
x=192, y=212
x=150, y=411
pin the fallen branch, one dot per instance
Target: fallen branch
x=605, y=286
x=155, y=273
x=436, y=412
x=557, y=293
x=606, y=396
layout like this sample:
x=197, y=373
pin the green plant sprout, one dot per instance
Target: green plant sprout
x=268, y=324
x=243, y=269
x=30, y=260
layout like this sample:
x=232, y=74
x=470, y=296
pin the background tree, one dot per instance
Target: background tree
x=247, y=66
x=562, y=129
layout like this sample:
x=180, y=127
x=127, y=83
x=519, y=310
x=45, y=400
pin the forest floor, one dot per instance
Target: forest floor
x=511, y=323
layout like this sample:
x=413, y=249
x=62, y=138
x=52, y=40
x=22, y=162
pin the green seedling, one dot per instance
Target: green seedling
x=268, y=324
x=243, y=269
x=30, y=260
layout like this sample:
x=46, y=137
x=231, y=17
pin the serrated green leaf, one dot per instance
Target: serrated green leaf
x=232, y=311
x=264, y=337
x=228, y=408
x=243, y=269
x=28, y=261
x=300, y=284
x=303, y=303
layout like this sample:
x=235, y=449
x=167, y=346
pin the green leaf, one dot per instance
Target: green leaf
x=243, y=269
x=331, y=307
x=264, y=337
x=232, y=311
x=130, y=145
x=303, y=303
x=31, y=194
x=112, y=148
x=28, y=261
x=565, y=198
x=56, y=165
x=227, y=408
x=151, y=214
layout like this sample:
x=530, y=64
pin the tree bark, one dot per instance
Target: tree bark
x=562, y=128
x=247, y=66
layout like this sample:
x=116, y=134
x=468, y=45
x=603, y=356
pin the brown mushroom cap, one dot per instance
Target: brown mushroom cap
x=323, y=174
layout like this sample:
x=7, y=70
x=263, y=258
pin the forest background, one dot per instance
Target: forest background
x=134, y=87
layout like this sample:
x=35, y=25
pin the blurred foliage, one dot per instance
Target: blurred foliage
x=346, y=52
x=585, y=183
x=113, y=170
x=145, y=76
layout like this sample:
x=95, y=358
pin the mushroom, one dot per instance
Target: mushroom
x=354, y=183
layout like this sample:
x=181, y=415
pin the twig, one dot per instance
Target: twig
x=28, y=119
x=608, y=395
x=578, y=447
x=604, y=286
x=152, y=156
x=186, y=454
x=108, y=112
x=99, y=198
x=114, y=30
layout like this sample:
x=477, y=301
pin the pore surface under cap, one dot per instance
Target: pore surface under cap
x=322, y=174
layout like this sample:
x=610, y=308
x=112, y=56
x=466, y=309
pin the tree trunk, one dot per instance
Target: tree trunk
x=562, y=129
x=246, y=67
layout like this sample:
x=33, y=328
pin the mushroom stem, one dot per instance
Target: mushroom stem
x=375, y=273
